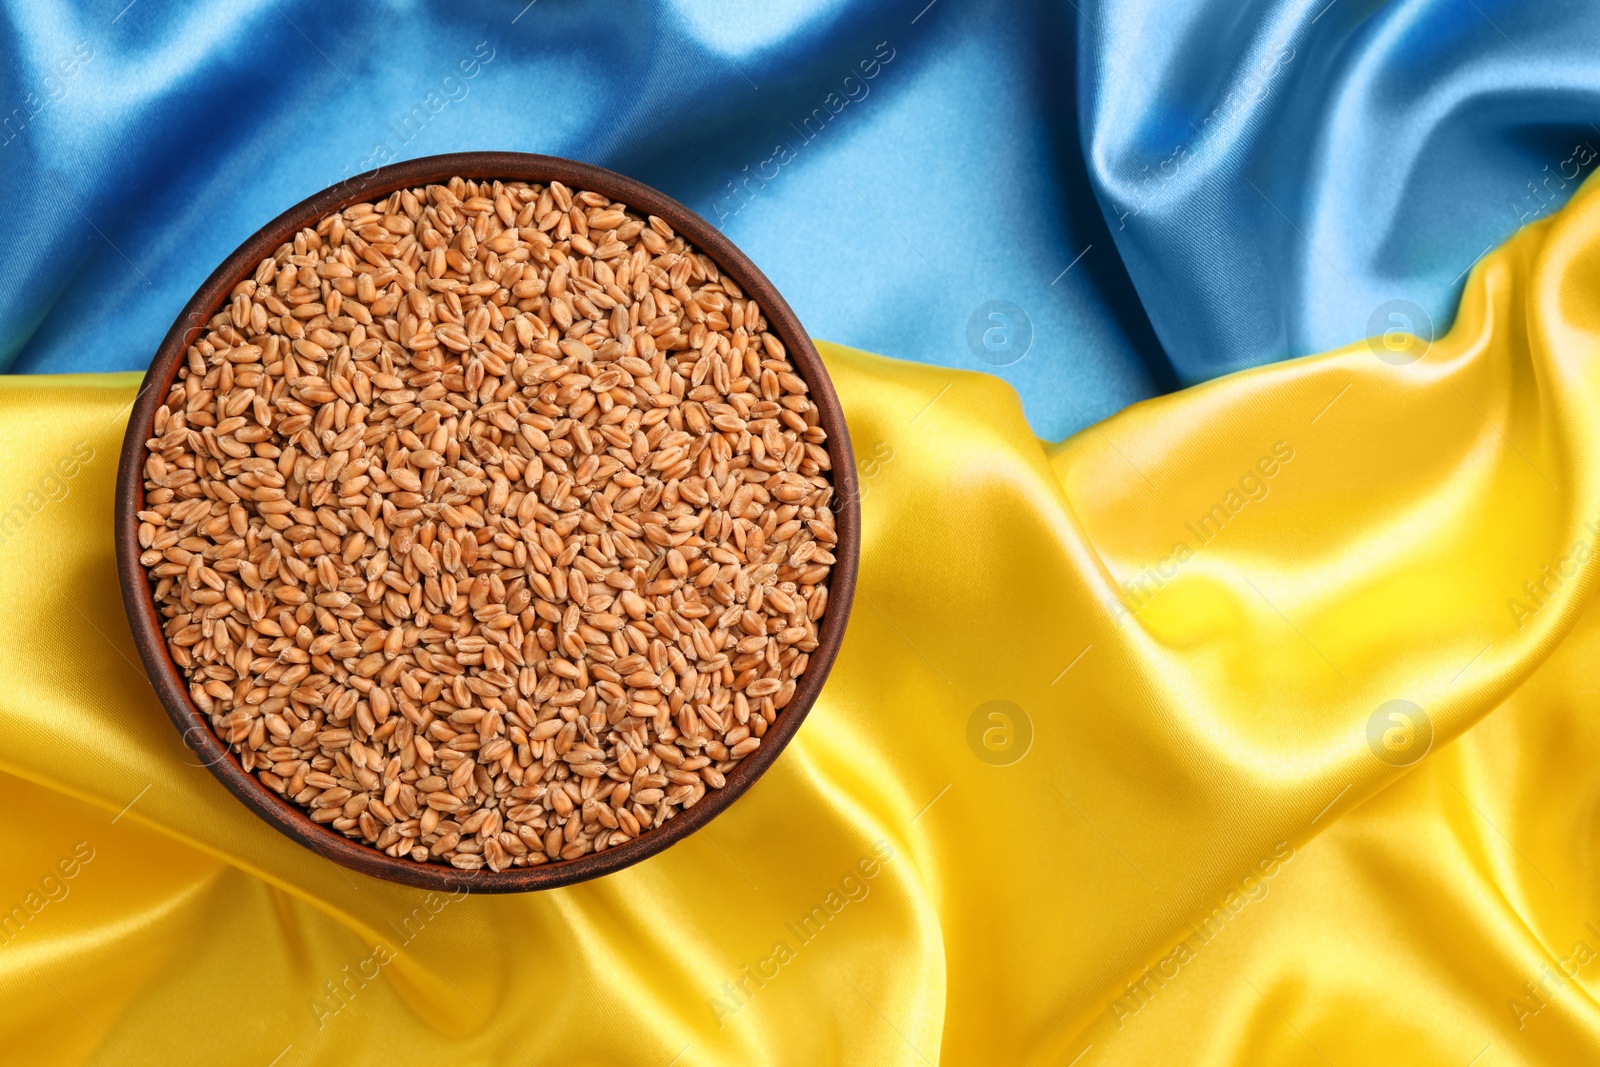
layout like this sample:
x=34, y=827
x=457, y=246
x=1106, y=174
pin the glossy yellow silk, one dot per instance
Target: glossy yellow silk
x=1097, y=778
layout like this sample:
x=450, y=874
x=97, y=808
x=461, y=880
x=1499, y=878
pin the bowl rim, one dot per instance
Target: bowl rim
x=138, y=596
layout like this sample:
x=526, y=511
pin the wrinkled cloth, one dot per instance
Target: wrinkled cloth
x=1149, y=194
x=1283, y=178
x=1255, y=722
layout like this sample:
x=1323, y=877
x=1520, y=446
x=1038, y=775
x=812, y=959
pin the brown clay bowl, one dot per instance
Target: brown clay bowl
x=138, y=597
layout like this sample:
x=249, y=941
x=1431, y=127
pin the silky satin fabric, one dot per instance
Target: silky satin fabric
x=1182, y=831
x=1275, y=173
x=1167, y=190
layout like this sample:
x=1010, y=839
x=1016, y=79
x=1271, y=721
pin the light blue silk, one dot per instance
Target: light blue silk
x=1286, y=177
x=1149, y=192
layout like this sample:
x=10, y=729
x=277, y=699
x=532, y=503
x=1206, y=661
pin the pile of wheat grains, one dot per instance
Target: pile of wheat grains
x=489, y=524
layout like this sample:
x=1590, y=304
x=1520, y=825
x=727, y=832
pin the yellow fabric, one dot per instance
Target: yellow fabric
x=1184, y=837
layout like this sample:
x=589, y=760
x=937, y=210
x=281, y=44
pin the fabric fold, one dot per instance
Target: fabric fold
x=1195, y=723
x=1150, y=192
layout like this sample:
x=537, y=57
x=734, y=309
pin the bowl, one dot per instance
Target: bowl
x=138, y=596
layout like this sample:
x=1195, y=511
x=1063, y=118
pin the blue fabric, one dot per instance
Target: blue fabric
x=1155, y=191
x=1279, y=173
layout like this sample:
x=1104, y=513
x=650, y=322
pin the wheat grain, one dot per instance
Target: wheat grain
x=489, y=523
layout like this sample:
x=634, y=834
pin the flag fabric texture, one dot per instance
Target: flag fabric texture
x=1253, y=720
x=1219, y=684
x=1162, y=191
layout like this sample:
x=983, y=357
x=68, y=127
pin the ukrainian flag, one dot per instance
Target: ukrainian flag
x=1220, y=685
